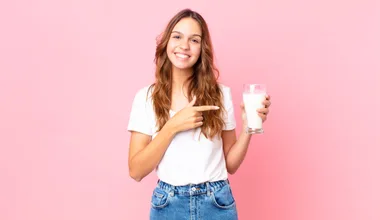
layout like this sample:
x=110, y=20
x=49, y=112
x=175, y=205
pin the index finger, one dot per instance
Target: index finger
x=206, y=108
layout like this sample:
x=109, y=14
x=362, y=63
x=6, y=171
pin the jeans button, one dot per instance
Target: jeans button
x=193, y=189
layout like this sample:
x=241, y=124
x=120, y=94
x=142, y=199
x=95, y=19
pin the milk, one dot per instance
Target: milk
x=252, y=102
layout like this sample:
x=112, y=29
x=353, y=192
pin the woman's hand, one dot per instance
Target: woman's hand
x=263, y=112
x=189, y=117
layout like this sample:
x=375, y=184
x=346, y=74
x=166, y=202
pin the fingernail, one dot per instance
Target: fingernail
x=216, y=107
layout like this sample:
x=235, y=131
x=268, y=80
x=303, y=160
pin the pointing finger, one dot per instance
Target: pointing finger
x=206, y=108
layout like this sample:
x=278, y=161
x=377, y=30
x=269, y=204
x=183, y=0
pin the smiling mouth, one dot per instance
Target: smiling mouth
x=182, y=56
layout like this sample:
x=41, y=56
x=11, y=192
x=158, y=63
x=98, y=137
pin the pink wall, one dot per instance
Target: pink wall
x=69, y=71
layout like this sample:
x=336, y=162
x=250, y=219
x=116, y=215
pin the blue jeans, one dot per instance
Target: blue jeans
x=205, y=201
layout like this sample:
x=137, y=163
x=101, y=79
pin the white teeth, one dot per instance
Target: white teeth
x=182, y=55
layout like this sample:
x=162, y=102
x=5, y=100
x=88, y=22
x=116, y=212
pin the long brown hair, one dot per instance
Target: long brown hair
x=202, y=83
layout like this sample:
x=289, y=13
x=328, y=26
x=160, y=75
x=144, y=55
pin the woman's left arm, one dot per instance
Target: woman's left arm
x=236, y=149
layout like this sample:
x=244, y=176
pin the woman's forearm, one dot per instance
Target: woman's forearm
x=237, y=152
x=150, y=156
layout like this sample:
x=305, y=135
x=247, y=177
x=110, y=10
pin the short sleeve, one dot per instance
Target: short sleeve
x=229, y=117
x=140, y=116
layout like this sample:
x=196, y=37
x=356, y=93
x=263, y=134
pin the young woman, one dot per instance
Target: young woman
x=183, y=126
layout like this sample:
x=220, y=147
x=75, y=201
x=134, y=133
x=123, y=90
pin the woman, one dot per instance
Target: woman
x=183, y=126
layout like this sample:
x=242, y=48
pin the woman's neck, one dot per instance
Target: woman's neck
x=180, y=77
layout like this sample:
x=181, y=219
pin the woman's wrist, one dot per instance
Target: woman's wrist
x=169, y=129
x=244, y=131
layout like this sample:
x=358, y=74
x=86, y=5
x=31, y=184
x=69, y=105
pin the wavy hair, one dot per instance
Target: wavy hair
x=202, y=83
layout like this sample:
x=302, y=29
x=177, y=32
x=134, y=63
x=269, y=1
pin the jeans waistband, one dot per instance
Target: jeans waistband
x=192, y=189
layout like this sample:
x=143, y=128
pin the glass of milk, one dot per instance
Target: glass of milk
x=253, y=96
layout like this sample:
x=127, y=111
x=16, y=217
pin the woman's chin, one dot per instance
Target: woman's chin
x=182, y=66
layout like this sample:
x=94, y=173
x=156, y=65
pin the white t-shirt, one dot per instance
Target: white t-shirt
x=190, y=157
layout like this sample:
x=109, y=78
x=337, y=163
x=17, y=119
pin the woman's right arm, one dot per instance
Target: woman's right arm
x=145, y=153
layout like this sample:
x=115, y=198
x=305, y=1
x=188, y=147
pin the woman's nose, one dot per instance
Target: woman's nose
x=184, y=45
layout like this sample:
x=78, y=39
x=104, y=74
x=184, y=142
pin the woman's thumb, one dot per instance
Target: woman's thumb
x=192, y=103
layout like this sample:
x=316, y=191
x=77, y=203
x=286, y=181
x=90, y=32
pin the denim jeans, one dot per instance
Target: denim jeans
x=205, y=201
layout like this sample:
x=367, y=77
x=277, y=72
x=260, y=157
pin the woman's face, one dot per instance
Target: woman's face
x=184, y=46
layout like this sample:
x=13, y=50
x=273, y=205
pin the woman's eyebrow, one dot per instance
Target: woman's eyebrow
x=191, y=35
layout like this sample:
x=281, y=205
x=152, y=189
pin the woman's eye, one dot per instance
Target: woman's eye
x=195, y=41
x=176, y=37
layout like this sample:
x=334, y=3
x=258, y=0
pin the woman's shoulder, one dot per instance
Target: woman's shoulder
x=225, y=89
x=144, y=93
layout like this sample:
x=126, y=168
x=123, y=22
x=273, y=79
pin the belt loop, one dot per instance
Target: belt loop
x=172, y=190
x=208, y=188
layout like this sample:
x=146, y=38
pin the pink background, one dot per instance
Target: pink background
x=69, y=71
